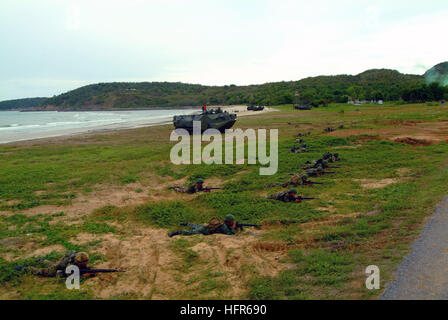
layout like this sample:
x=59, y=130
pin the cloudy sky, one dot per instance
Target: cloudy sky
x=51, y=46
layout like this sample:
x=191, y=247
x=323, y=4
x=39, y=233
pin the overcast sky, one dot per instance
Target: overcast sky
x=51, y=46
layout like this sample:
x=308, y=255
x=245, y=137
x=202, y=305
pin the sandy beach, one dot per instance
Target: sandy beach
x=240, y=110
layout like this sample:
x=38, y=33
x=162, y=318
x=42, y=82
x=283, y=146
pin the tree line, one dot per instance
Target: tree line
x=378, y=84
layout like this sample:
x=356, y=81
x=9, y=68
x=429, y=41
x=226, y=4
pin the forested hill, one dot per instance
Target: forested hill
x=380, y=84
x=21, y=103
x=438, y=73
x=388, y=85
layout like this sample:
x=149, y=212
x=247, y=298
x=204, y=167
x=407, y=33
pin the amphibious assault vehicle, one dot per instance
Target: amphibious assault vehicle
x=303, y=107
x=210, y=119
x=254, y=108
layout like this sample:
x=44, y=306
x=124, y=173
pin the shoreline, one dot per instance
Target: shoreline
x=240, y=110
x=107, y=109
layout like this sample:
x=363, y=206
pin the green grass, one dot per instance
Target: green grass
x=38, y=228
x=31, y=176
x=316, y=270
x=189, y=257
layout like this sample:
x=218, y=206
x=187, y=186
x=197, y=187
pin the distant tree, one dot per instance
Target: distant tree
x=372, y=84
x=437, y=90
x=308, y=96
x=377, y=95
x=356, y=92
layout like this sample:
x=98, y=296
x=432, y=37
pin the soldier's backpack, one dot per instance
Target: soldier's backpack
x=295, y=179
x=214, y=224
x=282, y=195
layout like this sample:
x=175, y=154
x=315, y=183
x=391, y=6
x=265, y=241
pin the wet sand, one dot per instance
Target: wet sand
x=241, y=111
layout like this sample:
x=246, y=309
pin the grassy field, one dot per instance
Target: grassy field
x=107, y=194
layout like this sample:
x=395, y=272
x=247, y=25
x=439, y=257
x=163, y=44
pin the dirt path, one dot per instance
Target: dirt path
x=423, y=274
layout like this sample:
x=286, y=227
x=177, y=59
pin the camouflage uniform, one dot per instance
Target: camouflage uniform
x=53, y=269
x=283, y=196
x=312, y=173
x=192, y=188
x=296, y=180
x=314, y=164
x=206, y=230
x=331, y=157
x=323, y=164
x=298, y=149
x=201, y=229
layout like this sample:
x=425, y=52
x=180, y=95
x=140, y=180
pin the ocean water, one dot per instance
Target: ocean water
x=17, y=126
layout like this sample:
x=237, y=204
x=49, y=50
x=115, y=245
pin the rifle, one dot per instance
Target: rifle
x=317, y=166
x=312, y=182
x=307, y=182
x=89, y=270
x=320, y=173
x=242, y=225
x=303, y=198
x=207, y=189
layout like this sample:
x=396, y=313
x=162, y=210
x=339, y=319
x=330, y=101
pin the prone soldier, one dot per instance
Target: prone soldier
x=193, y=187
x=215, y=225
x=330, y=157
x=299, y=149
x=80, y=259
x=288, y=196
x=299, y=180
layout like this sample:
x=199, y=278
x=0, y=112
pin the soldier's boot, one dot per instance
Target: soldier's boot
x=174, y=233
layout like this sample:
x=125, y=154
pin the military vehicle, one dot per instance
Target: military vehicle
x=303, y=107
x=210, y=119
x=298, y=104
x=254, y=108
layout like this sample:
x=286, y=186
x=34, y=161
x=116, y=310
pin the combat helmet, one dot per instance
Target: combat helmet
x=81, y=258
